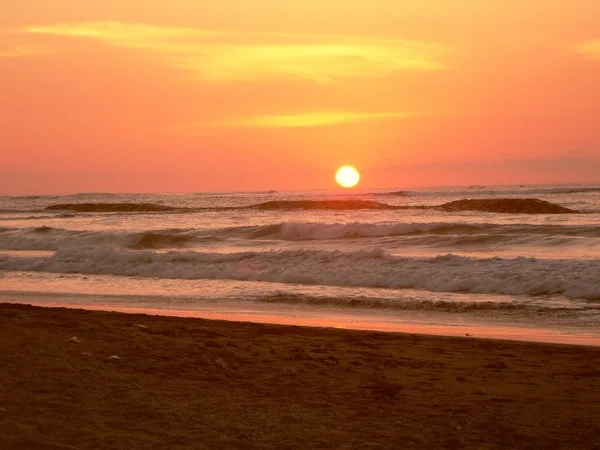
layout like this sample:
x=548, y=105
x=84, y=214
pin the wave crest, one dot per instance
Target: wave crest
x=151, y=240
x=428, y=233
x=393, y=304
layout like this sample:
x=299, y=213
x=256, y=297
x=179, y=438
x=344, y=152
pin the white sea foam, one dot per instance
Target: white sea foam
x=376, y=268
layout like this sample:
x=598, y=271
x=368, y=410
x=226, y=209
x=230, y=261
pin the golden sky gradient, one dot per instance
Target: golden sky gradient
x=193, y=95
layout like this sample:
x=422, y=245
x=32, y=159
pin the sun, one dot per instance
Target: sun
x=347, y=176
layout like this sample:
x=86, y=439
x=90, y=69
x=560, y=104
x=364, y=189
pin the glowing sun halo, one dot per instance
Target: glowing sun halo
x=347, y=176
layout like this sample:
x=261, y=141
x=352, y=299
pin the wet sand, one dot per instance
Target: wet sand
x=194, y=383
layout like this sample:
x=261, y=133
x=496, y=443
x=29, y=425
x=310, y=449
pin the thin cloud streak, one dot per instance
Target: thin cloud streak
x=232, y=56
x=294, y=120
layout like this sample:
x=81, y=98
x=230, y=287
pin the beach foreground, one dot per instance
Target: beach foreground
x=193, y=383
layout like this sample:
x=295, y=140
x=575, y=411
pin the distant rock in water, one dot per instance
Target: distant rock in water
x=506, y=205
x=111, y=207
x=322, y=204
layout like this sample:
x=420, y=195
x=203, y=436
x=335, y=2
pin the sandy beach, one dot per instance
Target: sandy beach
x=91, y=379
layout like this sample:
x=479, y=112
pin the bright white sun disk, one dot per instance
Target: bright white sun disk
x=347, y=176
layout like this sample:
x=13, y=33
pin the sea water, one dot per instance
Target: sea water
x=377, y=259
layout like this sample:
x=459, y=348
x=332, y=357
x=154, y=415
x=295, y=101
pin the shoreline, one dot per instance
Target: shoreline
x=197, y=383
x=330, y=319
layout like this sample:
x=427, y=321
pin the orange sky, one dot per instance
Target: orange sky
x=198, y=95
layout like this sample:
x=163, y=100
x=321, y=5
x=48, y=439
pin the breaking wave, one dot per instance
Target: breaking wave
x=371, y=269
x=306, y=231
x=152, y=240
x=394, y=304
x=431, y=234
x=49, y=238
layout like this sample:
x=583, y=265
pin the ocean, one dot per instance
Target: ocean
x=387, y=259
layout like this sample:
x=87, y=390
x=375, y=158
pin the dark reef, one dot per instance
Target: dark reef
x=111, y=207
x=506, y=205
x=495, y=205
x=322, y=204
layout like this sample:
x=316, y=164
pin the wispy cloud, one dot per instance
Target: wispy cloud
x=588, y=49
x=293, y=120
x=227, y=55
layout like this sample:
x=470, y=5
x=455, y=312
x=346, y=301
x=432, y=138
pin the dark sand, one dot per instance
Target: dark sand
x=193, y=383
